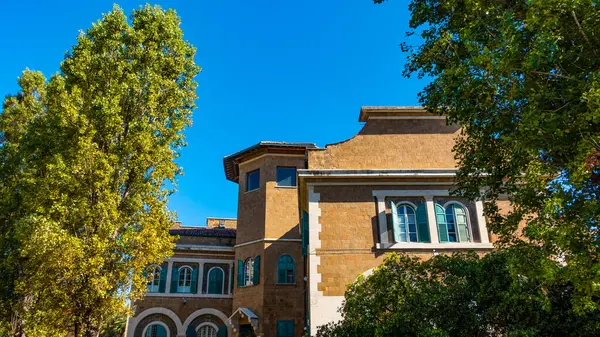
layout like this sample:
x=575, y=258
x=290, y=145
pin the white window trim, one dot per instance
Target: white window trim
x=469, y=225
x=207, y=323
x=181, y=288
x=386, y=243
x=155, y=288
x=414, y=207
x=248, y=282
x=222, y=282
x=159, y=323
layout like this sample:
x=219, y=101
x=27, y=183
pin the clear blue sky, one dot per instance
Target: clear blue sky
x=272, y=70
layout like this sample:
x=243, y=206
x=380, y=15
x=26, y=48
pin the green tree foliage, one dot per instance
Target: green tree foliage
x=509, y=292
x=85, y=159
x=522, y=77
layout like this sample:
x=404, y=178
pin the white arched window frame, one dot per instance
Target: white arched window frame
x=154, y=284
x=216, y=270
x=147, y=332
x=407, y=215
x=248, y=272
x=453, y=218
x=207, y=329
x=184, y=282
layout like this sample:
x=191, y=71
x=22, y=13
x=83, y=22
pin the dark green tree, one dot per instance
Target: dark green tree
x=84, y=161
x=509, y=292
x=522, y=78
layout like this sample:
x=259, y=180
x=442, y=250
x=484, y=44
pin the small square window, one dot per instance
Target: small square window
x=252, y=180
x=286, y=176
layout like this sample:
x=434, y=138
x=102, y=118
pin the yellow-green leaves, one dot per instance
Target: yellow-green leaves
x=84, y=160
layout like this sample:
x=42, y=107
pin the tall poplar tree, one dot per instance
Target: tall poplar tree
x=85, y=159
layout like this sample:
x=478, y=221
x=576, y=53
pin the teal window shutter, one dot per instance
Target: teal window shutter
x=285, y=328
x=222, y=331
x=215, y=281
x=194, y=283
x=460, y=216
x=174, y=279
x=256, y=271
x=240, y=273
x=442, y=225
x=398, y=225
x=422, y=223
x=163, y=278
x=304, y=233
x=286, y=272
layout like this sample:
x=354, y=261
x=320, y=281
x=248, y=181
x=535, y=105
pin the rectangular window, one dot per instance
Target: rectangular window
x=286, y=176
x=252, y=180
x=285, y=328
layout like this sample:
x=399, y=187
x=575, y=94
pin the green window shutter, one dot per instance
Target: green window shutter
x=290, y=329
x=215, y=281
x=161, y=331
x=422, y=223
x=163, y=279
x=398, y=227
x=222, y=331
x=190, y=332
x=174, y=279
x=194, y=284
x=304, y=233
x=256, y=276
x=460, y=217
x=292, y=266
x=442, y=225
x=240, y=273
x=281, y=269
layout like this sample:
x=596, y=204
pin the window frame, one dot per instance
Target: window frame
x=157, y=323
x=412, y=206
x=257, y=171
x=249, y=277
x=294, y=176
x=154, y=285
x=468, y=220
x=293, y=269
x=181, y=288
x=210, y=324
x=222, y=281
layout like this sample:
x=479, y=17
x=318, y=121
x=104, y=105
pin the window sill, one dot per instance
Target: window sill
x=250, y=191
x=288, y=187
x=188, y=295
x=285, y=284
x=418, y=245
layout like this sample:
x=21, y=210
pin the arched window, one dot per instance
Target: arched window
x=248, y=271
x=215, y=280
x=206, y=330
x=184, y=284
x=457, y=223
x=157, y=329
x=286, y=270
x=154, y=283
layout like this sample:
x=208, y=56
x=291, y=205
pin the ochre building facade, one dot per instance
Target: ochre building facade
x=310, y=221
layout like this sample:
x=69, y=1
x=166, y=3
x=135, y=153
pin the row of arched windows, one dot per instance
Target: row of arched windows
x=410, y=223
x=185, y=278
x=159, y=329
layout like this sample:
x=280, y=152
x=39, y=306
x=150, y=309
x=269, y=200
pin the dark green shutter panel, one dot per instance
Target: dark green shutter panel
x=240, y=273
x=174, y=279
x=222, y=331
x=280, y=328
x=440, y=219
x=290, y=329
x=281, y=269
x=194, y=284
x=190, y=332
x=163, y=279
x=304, y=233
x=256, y=276
x=422, y=223
x=161, y=331
x=215, y=281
